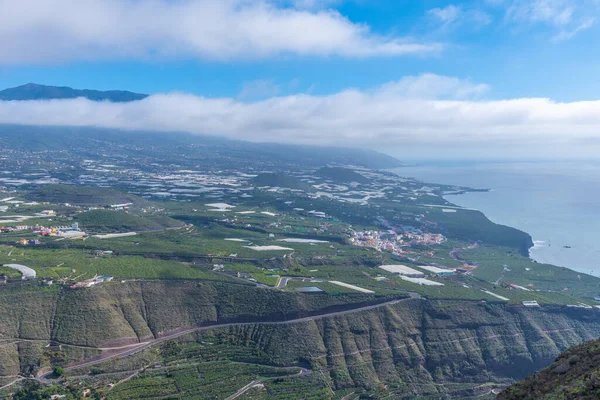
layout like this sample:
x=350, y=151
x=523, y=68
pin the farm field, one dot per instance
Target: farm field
x=60, y=263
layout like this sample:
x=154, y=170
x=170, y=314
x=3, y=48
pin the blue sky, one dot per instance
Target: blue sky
x=517, y=57
x=480, y=77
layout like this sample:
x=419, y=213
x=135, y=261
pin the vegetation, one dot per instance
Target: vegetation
x=83, y=196
x=508, y=266
x=10, y=273
x=208, y=239
x=341, y=175
x=215, y=380
x=573, y=375
x=403, y=351
x=311, y=387
x=83, y=264
x=191, y=266
x=280, y=180
x=32, y=390
x=103, y=221
x=472, y=226
x=125, y=312
x=165, y=148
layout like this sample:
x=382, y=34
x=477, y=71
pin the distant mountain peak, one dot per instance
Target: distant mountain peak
x=35, y=91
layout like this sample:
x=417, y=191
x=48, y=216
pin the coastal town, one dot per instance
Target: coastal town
x=393, y=242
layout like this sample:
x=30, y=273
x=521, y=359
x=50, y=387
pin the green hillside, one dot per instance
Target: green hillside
x=116, y=221
x=341, y=175
x=280, y=180
x=575, y=374
x=413, y=349
x=127, y=312
x=173, y=147
x=83, y=195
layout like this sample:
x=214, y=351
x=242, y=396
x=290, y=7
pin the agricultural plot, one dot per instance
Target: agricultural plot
x=308, y=387
x=60, y=263
x=202, y=380
x=506, y=265
x=217, y=240
x=191, y=368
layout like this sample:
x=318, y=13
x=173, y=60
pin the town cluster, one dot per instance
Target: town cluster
x=69, y=232
x=392, y=242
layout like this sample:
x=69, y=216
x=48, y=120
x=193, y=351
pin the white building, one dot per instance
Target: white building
x=438, y=271
x=27, y=272
x=402, y=270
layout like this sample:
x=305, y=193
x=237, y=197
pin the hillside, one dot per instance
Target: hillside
x=430, y=348
x=83, y=196
x=341, y=175
x=175, y=147
x=280, y=180
x=119, y=313
x=574, y=375
x=115, y=221
x=33, y=91
x=414, y=348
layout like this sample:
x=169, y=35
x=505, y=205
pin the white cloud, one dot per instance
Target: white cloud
x=54, y=31
x=395, y=115
x=312, y=4
x=568, y=34
x=259, y=89
x=431, y=86
x=567, y=17
x=554, y=12
x=453, y=16
x=446, y=14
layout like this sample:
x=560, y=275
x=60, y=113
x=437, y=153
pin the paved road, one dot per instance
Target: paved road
x=282, y=282
x=142, y=346
x=285, y=279
x=257, y=381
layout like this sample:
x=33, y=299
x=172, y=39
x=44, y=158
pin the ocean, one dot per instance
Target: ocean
x=558, y=204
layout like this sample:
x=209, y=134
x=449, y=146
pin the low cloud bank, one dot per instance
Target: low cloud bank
x=415, y=111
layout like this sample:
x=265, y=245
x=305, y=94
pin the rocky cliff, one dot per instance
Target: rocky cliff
x=117, y=314
x=414, y=347
x=428, y=348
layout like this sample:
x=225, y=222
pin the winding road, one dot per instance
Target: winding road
x=133, y=349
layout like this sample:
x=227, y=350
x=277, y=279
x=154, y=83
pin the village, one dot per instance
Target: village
x=393, y=242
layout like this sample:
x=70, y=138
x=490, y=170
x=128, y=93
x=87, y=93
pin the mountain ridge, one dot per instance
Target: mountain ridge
x=34, y=91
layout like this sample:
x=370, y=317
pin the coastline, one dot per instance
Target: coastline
x=512, y=236
x=554, y=202
x=536, y=245
x=525, y=250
